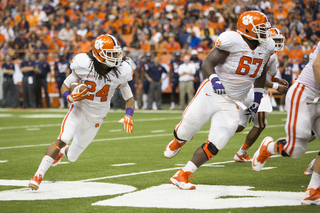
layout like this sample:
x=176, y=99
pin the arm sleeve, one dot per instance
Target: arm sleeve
x=71, y=79
x=126, y=91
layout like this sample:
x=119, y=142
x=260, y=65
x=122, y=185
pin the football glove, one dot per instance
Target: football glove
x=217, y=85
x=128, y=123
x=254, y=106
x=74, y=97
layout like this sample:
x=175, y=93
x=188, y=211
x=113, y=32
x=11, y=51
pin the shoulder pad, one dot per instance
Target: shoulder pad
x=229, y=41
x=81, y=60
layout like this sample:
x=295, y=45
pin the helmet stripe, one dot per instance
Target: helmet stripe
x=115, y=41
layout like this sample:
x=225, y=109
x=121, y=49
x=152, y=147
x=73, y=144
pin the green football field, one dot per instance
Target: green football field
x=121, y=172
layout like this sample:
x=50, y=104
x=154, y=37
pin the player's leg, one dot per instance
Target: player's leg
x=223, y=126
x=260, y=122
x=312, y=194
x=69, y=126
x=174, y=85
x=196, y=114
x=82, y=139
x=300, y=119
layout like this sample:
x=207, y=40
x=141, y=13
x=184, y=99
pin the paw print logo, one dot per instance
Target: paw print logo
x=98, y=43
x=247, y=19
x=218, y=42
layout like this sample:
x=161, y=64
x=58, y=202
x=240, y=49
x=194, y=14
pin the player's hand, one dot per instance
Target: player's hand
x=282, y=88
x=283, y=82
x=252, y=110
x=128, y=123
x=217, y=85
x=78, y=96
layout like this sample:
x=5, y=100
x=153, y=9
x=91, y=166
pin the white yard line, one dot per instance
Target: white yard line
x=105, y=122
x=174, y=168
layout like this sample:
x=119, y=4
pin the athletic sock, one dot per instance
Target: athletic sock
x=315, y=181
x=44, y=165
x=190, y=167
x=244, y=148
x=271, y=148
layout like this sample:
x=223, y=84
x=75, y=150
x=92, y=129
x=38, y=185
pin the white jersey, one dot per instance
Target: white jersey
x=243, y=65
x=307, y=76
x=97, y=104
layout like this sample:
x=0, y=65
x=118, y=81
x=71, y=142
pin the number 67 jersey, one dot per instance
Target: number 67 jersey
x=97, y=104
x=243, y=65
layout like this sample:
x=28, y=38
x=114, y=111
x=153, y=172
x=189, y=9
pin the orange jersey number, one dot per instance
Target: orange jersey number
x=244, y=67
x=103, y=93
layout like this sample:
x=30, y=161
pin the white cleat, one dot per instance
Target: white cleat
x=312, y=197
x=242, y=158
x=181, y=180
x=173, y=148
x=261, y=155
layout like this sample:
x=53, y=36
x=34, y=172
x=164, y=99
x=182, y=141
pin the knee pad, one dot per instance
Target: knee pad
x=280, y=144
x=209, y=149
x=319, y=154
x=298, y=152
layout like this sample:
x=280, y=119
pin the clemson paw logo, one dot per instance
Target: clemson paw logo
x=98, y=44
x=218, y=42
x=247, y=19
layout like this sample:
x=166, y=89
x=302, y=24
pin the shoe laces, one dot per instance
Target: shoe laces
x=187, y=175
x=245, y=156
x=176, y=145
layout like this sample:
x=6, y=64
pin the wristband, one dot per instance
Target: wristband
x=66, y=94
x=275, y=86
x=129, y=111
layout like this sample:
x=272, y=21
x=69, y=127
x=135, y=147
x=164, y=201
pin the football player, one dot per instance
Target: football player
x=303, y=115
x=265, y=107
x=237, y=61
x=102, y=70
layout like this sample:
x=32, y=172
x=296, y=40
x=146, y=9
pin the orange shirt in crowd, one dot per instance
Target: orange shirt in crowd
x=296, y=54
x=145, y=46
x=173, y=47
x=85, y=46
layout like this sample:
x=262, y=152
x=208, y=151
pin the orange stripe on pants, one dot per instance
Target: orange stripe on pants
x=292, y=124
x=64, y=122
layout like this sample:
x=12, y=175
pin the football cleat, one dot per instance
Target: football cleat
x=242, y=158
x=58, y=159
x=181, y=180
x=309, y=170
x=312, y=197
x=261, y=155
x=35, y=182
x=173, y=148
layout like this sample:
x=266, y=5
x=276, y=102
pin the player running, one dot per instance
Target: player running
x=102, y=69
x=236, y=63
x=265, y=107
x=303, y=115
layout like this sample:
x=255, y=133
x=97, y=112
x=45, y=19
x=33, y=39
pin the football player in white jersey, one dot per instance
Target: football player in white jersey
x=265, y=107
x=236, y=63
x=102, y=70
x=303, y=115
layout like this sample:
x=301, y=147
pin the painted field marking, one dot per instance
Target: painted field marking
x=33, y=129
x=3, y=161
x=124, y=164
x=115, y=130
x=158, y=131
x=268, y=168
x=175, y=168
x=104, y=122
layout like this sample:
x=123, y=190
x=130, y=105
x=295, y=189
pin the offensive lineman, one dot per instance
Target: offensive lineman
x=303, y=115
x=265, y=107
x=234, y=65
x=102, y=69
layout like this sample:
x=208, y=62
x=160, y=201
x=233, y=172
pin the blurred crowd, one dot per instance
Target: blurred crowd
x=40, y=30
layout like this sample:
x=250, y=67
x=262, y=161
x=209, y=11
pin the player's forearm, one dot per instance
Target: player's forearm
x=130, y=103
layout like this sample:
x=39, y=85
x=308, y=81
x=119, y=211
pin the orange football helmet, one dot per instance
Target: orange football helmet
x=278, y=38
x=254, y=25
x=107, y=50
